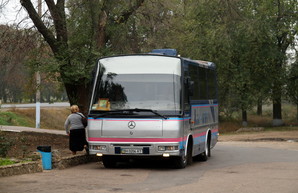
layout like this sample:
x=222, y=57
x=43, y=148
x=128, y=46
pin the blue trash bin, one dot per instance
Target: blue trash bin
x=46, y=157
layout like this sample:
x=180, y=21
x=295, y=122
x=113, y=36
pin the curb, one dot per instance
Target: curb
x=21, y=168
x=70, y=161
x=36, y=166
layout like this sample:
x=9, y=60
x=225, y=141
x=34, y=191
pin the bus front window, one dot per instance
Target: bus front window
x=143, y=91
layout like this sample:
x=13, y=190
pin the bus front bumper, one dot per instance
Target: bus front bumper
x=165, y=150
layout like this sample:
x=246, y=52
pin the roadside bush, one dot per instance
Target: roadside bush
x=5, y=145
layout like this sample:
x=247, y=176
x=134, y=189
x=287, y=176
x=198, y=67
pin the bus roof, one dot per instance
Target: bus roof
x=202, y=63
x=138, y=64
x=173, y=52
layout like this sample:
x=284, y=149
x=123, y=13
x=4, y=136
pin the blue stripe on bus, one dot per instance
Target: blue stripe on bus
x=192, y=102
x=199, y=139
x=204, y=105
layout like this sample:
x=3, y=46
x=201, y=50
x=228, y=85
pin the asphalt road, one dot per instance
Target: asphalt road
x=233, y=168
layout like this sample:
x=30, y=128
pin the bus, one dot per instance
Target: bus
x=153, y=105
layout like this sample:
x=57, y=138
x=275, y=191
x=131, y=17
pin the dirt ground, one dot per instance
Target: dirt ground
x=23, y=144
x=277, y=136
x=277, y=139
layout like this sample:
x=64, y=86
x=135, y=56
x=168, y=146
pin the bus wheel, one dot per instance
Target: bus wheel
x=207, y=153
x=189, y=154
x=180, y=162
x=184, y=160
x=109, y=161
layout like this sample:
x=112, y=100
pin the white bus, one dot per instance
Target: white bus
x=153, y=105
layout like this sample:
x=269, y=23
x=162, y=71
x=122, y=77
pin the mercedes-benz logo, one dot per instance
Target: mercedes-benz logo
x=131, y=124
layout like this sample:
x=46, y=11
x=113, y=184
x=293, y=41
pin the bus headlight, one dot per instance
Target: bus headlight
x=99, y=147
x=168, y=148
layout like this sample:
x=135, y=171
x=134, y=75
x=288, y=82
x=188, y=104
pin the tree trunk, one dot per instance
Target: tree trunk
x=277, y=112
x=134, y=39
x=100, y=35
x=79, y=95
x=297, y=112
x=244, y=118
x=260, y=107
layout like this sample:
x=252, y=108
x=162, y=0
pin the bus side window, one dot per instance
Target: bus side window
x=202, y=83
x=211, y=75
x=186, y=96
x=194, y=78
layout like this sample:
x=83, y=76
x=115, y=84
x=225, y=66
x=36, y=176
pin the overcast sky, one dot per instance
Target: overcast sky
x=10, y=13
x=13, y=13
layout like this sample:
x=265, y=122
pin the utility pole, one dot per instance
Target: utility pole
x=38, y=81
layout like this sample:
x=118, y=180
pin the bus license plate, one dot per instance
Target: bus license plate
x=131, y=151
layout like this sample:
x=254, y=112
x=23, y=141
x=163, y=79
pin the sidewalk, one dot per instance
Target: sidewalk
x=20, y=129
x=33, y=105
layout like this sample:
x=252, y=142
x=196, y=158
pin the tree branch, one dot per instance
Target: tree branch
x=58, y=15
x=46, y=33
x=126, y=14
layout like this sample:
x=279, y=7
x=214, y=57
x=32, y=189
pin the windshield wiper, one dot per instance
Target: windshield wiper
x=127, y=111
x=113, y=112
x=148, y=110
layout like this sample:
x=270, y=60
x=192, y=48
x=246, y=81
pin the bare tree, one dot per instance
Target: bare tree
x=77, y=85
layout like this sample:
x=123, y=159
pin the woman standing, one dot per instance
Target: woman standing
x=75, y=130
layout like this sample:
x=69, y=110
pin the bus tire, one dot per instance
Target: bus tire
x=207, y=153
x=202, y=157
x=109, y=161
x=184, y=160
x=189, y=152
x=208, y=149
x=180, y=162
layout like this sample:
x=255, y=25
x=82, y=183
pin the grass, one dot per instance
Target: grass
x=13, y=118
x=51, y=118
x=5, y=161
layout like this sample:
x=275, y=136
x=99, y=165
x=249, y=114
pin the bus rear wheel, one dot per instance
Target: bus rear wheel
x=207, y=153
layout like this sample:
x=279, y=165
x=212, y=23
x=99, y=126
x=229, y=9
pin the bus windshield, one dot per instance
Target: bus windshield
x=160, y=92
